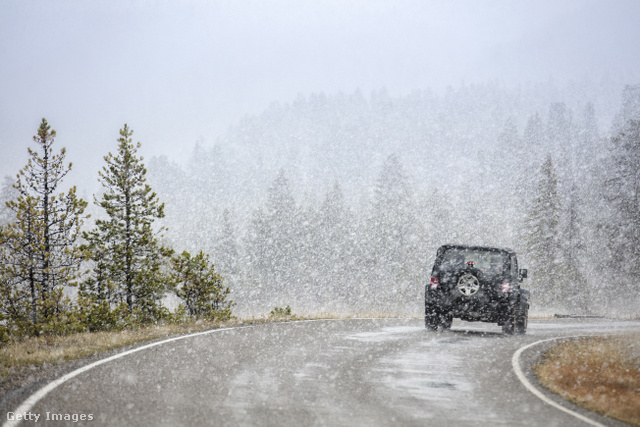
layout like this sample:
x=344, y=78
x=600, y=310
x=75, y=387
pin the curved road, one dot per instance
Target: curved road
x=358, y=372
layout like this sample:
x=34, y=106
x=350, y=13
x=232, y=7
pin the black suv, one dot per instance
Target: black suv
x=477, y=284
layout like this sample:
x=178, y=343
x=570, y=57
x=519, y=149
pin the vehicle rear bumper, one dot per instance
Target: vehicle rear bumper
x=481, y=307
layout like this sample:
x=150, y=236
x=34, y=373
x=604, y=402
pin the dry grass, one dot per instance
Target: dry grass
x=21, y=355
x=601, y=374
x=34, y=352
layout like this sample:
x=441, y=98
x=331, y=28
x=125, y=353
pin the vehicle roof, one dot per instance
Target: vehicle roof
x=482, y=248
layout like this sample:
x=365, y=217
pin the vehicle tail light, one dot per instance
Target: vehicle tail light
x=434, y=282
x=506, y=287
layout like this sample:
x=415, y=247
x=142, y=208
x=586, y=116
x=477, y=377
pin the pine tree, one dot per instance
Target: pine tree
x=200, y=286
x=334, y=252
x=573, y=249
x=535, y=145
x=127, y=258
x=629, y=108
x=98, y=294
x=21, y=293
x=334, y=228
x=226, y=248
x=39, y=249
x=589, y=148
x=393, y=235
x=543, y=246
x=272, y=245
x=622, y=224
x=392, y=212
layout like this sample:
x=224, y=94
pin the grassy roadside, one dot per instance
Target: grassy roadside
x=19, y=357
x=22, y=355
x=601, y=374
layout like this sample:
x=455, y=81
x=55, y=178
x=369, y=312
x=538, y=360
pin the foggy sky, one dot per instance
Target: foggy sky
x=181, y=71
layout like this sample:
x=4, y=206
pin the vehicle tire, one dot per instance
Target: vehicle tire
x=431, y=317
x=509, y=324
x=446, y=320
x=431, y=323
x=522, y=317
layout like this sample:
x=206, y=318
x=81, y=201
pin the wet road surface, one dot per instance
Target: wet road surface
x=356, y=372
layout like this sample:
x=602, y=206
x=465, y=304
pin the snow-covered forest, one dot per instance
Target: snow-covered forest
x=337, y=203
x=318, y=153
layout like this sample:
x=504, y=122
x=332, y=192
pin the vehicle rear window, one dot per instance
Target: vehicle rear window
x=457, y=258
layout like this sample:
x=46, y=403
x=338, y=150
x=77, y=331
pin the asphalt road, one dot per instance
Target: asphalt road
x=358, y=372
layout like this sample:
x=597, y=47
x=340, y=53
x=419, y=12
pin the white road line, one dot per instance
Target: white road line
x=31, y=401
x=515, y=362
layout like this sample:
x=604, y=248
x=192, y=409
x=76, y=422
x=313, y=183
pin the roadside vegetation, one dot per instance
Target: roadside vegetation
x=58, y=279
x=24, y=354
x=601, y=374
x=279, y=312
x=55, y=349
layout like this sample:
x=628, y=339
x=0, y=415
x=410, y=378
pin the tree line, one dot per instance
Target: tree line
x=583, y=223
x=57, y=277
x=407, y=178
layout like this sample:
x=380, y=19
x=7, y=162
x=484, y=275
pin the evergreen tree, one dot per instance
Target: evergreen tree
x=573, y=250
x=588, y=147
x=591, y=154
x=393, y=236
x=255, y=246
x=510, y=151
x=98, y=294
x=629, y=109
x=543, y=246
x=272, y=248
x=127, y=258
x=622, y=224
x=334, y=250
x=559, y=126
x=21, y=293
x=392, y=212
x=200, y=286
x=531, y=157
x=203, y=192
x=535, y=142
x=39, y=249
x=561, y=143
x=226, y=248
x=438, y=212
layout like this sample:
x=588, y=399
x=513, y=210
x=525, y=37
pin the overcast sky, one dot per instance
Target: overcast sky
x=177, y=71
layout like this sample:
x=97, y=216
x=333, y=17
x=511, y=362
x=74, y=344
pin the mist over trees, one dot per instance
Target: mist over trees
x=338, y=203
x=333, y=204
x=622, y=196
